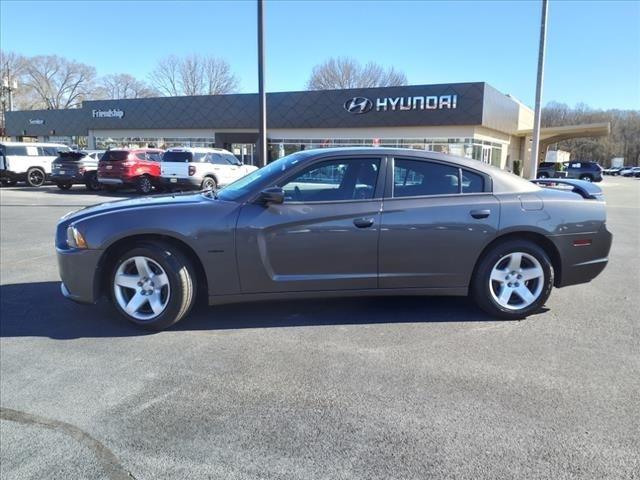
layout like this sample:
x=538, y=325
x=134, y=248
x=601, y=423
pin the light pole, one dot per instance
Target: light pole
x=537, y=113
x=262, y=127
x=6, y=92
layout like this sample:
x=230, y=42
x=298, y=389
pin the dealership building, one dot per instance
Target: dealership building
x=473, y=120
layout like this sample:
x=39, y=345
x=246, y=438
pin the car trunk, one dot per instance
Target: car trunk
x=68, y=163
x=176, y=164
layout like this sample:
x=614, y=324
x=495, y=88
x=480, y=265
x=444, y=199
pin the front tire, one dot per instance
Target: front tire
x=153, y=285
x=92, y=183
x=35, y=177
x=513, y=280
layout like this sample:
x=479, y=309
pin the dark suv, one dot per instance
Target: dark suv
x=76, y=167
x=587, y=171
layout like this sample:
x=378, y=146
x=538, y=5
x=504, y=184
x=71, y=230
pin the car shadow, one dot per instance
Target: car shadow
x=78, y=190
x=40, y=310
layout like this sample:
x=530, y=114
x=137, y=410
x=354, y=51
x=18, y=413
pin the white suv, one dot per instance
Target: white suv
x=201, y=168
x=30, y=162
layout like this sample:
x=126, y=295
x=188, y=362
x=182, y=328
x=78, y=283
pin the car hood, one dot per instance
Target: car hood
x=136, y=204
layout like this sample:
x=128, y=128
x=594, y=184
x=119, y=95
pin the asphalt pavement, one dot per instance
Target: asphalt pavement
x=387, y=388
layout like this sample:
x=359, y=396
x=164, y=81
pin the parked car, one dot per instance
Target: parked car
x=136, y=167
x=587, y=171
x=76, y=167
x=339, y=222
x=630, y=172
x=201, y=168
x=27, y=162
x=612, y=171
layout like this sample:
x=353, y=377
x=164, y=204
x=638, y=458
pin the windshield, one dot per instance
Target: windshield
x=248, y=183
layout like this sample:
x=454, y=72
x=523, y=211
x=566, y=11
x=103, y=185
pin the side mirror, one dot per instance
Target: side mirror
x=273, y=195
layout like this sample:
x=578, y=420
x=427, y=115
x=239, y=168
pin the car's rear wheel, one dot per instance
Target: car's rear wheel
x=209, y=184
x=153, y=285
x=586, y=178
x=513, y=279
x=543, y=175
x=91, y=182
x=144, y=185
x=64, y=186
x=35, y=177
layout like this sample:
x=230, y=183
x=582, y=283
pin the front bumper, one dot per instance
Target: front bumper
x=80, y=273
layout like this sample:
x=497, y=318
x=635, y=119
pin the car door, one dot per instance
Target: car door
x=323, y=237
x=436, y=220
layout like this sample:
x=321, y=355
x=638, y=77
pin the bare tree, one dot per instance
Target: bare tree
x=123, y=85
x=346, y=72
x=58, y=82
x=193, y=75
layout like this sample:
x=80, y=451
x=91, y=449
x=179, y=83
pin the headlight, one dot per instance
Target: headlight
x=75, y=238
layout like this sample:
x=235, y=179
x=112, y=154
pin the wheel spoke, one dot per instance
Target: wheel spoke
x=525, y=294
x=143, y=267
x=505, y=294
x=498, y=275
x=127, y=281
x=515, y=261
x=156, y=303
x=135, y=303
x=160, y=280
x=531, y=273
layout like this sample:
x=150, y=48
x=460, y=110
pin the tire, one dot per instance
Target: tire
x=64, y=186
x=486, y=292
x=586, y=178
x=144, y=185
x=209, y=183
x=91, y=182
x=173, y=299
x=35, y=177
x=543, y=175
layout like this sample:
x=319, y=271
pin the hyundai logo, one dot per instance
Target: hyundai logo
x=358, y=105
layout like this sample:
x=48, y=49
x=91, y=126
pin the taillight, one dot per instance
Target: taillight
x=128, y=163
x=192, y=170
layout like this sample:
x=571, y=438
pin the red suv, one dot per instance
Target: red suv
x=134, y=167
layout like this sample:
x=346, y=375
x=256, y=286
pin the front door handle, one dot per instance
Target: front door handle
x=363, y=222
x=480, y=213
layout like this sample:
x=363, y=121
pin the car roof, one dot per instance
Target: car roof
x=197, y=149
x=503, y=181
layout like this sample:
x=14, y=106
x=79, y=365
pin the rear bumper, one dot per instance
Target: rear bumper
x=188, y=182
x=583, y=263
x=79, y=272
x=67, y=178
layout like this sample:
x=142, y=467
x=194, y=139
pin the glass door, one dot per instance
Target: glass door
x=245, y=152
x=486, y=154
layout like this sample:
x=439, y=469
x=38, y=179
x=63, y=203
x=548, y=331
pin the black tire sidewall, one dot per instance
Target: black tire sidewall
x=480, y=288
x=91, y=182
x=140, y=185
x=64, y=186
x=176, y=267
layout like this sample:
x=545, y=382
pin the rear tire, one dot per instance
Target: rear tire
x=586, y=178
x=169, y=276
x=543, y=175
x=35, y=177
x=144, y=185
x=209, y=183
x=64, y=186
x=507, y=295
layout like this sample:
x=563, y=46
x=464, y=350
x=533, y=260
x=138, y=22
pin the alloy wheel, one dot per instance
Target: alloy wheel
x=516, y=281
x=36, y=177
x=141, y=288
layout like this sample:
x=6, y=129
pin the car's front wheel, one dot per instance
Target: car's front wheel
x=153, y=285
x=513, y=280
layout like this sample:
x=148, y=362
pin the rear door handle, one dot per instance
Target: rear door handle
x=480, y=213
x=363, y=222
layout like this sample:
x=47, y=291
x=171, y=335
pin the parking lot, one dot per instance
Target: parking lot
x=389, y=388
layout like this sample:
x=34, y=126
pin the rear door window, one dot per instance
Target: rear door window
x=218, y=159
x=114, y=156
x=177, y=157
x=48, y=151
x=472, y=182
x=154, y=156
x=413, y=178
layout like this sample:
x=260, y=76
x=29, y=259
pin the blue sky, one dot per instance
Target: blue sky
x=593, y=46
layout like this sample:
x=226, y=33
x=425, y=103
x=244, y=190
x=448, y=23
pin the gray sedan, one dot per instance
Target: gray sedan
x=339, y=222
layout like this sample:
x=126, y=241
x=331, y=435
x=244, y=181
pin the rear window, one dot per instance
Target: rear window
x=15, y=150
x=179, y=157
x=114, y=156
x=72, y=155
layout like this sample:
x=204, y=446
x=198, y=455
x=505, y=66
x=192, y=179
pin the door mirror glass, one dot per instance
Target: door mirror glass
x=273, y=195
